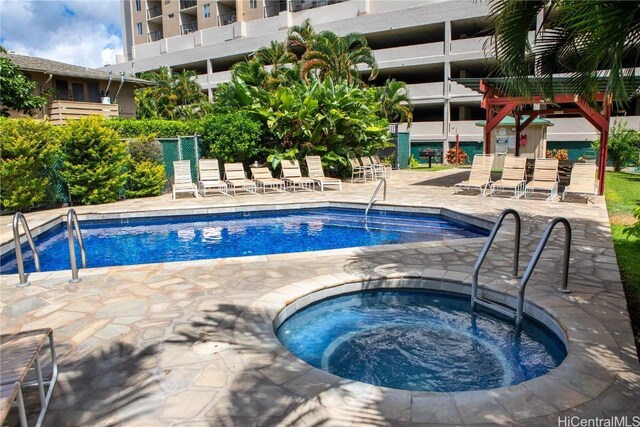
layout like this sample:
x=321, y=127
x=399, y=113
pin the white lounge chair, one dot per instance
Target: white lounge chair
x=263, y=179
x=583, y=181
x=236, y=178
x=545, y=178
x=314, y=165
x=209, y=177
x=514, y=177
x=368, y=165
x=480, y=176
x=292, y=176
x=382, y=169
x=182, y=182
x=359, y=171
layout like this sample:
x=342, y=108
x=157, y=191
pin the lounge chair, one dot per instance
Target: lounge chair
x=21, y=353
x=209, y=177
x=368, y=165
x=358, y=171
x=293, y=178
x=514, y=177
x=583, y=181
x=236, y=178
x=182, y=182
x=314, y=165
x=263, y=179
x=480, y=176
x=545, y=178
x=382, y=168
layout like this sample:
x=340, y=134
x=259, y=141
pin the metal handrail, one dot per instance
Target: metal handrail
x=19, y=218
x=536, y=256
x=72, y=222
x=487, y=246
x=375, y=193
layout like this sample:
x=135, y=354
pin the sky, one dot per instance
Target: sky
x=79, y=32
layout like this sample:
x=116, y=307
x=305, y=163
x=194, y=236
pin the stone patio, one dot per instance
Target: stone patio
x=126, y=335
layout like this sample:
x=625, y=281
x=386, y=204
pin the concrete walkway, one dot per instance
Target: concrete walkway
x=130, y=339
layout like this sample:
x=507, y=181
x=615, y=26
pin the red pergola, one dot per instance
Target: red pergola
x=498, y=106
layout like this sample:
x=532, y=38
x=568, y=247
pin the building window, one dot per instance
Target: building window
x=139, y=28
x=171, y=15
x=138, y=5
x=253, y=4
x=207, y=10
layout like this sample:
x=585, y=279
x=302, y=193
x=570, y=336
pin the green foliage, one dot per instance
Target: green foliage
x=174, y=96
x=145, y=147
x=232, y=137
x=395, y=102
x=29, y=149
x=634, y=230
x=17, y=90
x=146, y=178
x=95, y=161
x=413, y=162
x=128, y=128
x=623, y=145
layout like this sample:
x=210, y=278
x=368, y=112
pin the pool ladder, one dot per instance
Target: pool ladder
x=517, y=313
x=383, y=182
x=72, y=223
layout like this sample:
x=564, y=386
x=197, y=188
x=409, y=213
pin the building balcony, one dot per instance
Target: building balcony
x=189, y=27
x=154, y=12
x=274, y=9
x=186, y=4
x=60, y=111
x=154, y=36
x=298, y=5
x=226, y=18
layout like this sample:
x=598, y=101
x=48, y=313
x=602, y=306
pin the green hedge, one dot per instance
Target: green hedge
x=128, y=128
x=232, y=137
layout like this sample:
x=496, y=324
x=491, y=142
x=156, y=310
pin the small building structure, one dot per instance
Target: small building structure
x=73, y=92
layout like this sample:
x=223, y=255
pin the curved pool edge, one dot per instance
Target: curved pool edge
x=573, y=371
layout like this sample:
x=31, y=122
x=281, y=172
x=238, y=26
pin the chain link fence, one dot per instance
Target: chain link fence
x=180, y=148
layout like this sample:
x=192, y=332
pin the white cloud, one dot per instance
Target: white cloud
x=79, y=32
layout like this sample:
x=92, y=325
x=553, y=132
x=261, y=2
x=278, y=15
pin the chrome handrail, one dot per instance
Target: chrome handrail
x=18, y=219
x=72, y=223
x=487, y=246
x=536, y=256
x=375, y=193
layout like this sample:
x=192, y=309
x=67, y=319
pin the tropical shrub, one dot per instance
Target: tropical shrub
x=95, y=161
x=17, y=90
x=29, y=150
x=231, y=137
x=146, y=172
x=145, y=147
x=560, y=154
x=623, y=145
x=634, y=230
x=451, y=156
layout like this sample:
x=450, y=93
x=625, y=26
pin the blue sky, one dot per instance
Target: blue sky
x=79, y=32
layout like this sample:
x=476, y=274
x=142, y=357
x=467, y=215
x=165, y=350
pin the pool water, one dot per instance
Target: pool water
x=183, y=238
x=418, y=340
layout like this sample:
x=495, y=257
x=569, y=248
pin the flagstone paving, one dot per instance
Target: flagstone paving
x=130, y=339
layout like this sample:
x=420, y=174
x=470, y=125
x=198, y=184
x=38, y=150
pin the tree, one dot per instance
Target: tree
x=276, y=55
x=581, y=38
x=174, y=96
x=623, y=145
x=17, y=90
x=330, y=55
x=395, y=102
x=299, y=37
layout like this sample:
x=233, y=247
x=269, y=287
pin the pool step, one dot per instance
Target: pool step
x=497, y=307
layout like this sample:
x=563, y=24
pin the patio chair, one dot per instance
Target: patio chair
x=383, y=168
x=358, y=171
x=514, y=177
x=368, y=165
x=209, y=177
x=583, y=181
x=263, y=179
x=314, y=165
x=480, y=176
x=182, y=182
x=293, y=178
x=22, y=354
x=545, y=178
x=236, y=178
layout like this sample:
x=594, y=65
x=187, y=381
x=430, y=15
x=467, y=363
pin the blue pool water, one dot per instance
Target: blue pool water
x=182, y=238
x=418, y=340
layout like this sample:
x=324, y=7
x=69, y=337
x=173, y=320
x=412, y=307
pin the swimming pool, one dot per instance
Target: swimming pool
x=418, y=340
x=181, y=238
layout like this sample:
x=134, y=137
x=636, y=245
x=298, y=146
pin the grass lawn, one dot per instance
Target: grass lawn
x=433, y=168
x=622, y=193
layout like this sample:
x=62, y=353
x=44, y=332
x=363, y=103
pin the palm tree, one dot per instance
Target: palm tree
x=586, y=39
x=276, y=55
x=395, y=102
x=299, y=37
x=250, y=72
x=330, y=55
x=174, y=95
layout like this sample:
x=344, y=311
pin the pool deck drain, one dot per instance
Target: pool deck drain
x=124, y=334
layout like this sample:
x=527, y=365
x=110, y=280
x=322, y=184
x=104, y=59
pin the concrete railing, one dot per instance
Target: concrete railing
x=60, y=111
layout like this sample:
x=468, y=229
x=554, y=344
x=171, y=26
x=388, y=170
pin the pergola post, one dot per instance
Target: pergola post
x=518, y=130
x=601, y=123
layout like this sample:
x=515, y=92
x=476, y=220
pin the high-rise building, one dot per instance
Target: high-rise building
x=425, y=43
